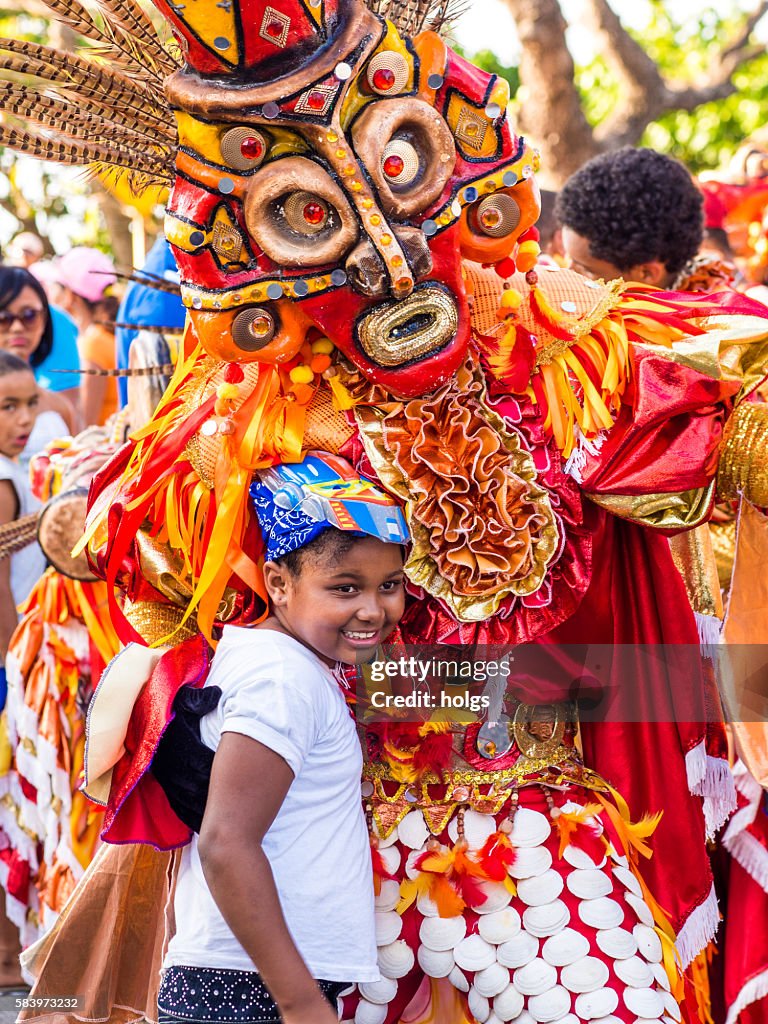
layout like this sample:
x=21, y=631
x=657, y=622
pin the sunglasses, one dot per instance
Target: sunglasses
x=26, y=317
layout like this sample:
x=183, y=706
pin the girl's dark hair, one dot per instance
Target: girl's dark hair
x=9, y=363
x=13, y=280
x=330, y=543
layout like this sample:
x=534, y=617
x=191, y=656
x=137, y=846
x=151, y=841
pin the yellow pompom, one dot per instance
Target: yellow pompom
x=531, y=247
x=301, y=375
x=227, y=392
x=511, y=299
x=322, y=347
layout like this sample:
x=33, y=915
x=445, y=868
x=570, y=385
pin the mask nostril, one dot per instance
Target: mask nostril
x=366, y=271
x=414, y=244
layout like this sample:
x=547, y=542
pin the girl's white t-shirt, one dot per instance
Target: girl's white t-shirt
x=276, y=691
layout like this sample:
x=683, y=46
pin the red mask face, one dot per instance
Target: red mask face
x=343, y=195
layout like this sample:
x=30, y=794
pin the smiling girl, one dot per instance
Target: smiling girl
x=274, y=900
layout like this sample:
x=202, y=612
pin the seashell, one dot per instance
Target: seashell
x=435, y=964
x=370, y=1013
x=535, y=977
x=541, y=889
x=517, y=951
x=388, y=927
x=530, y=828
x=391, y=858
x=589, y=883
x=458, y=980
x=477, y=828
x=608, y=1019
x=412, y=830
x=441, y=933
x=530, y=861
x=670, y=1005
x=508, y=1004
x=617, y=943
x=644, y=1002
x=634, y=972
x=579, y=859
x=381, y=842
x=565, y=948
x=499, y=926
x=493, y=1019
x=411, y=870
x=379, y=992
x=571, y=807
x=666, y=1019
x=389, y=896
x=648, y=943
x=618, y=858
x=426, y=905
x=585, y=975
x=524, y=1018
x=641, y=909
x=491, y=980
x=661, y=976
x=600, y=1003
x=474, y=953
x=601, y=913
x=547, y=920
x=551, y=1005
x=479, y=1006
x=628, y=880
x=396, y=960
x=497, y=897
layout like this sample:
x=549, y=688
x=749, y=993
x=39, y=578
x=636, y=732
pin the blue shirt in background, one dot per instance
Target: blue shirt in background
x=63, y=355
x=147, y=306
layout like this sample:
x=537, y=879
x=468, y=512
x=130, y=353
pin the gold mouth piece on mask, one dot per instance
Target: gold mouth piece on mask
x=396, y=333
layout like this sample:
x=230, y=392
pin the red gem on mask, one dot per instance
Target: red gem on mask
x=314, y=213
x=251, y=147
x=316, y=100
x=393, y=165
x=274, y=28
x=383, y=79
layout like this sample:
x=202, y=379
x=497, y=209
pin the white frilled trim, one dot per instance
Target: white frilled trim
x=577, y=460
x=756, y=988
x=711, y=778
x=745, y=848
x=698, y=930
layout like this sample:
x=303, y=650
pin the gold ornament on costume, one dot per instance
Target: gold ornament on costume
x=252, y=329
x=382, y=332
x=497, y=215
x=743, y=466
x=387, y=73
x=243, y=148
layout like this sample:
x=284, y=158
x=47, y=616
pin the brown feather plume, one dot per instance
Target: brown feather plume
x=73, y=151
x=132, y=18
x=89, y=79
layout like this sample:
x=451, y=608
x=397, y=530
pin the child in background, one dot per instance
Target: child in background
x=19, y=401
x=274, y=901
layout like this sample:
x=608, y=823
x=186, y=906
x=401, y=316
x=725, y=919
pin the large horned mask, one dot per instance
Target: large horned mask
x=331, y=175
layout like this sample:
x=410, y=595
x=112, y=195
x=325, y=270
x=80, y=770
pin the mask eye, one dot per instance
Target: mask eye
x=400, y=162
x=243, y=148
x=306, y=213
x=497, y=215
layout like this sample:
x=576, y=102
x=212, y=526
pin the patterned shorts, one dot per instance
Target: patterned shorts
x=211, y=995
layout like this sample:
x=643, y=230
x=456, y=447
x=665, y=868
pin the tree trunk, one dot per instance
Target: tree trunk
x=118, y=227
x=551, y=115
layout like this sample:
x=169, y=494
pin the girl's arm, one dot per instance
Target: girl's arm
x=248, y=785
x=9, y=510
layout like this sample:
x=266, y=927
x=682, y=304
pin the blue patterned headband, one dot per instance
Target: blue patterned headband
x=296, y=502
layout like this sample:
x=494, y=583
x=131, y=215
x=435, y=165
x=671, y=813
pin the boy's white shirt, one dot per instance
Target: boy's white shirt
x=276, y=691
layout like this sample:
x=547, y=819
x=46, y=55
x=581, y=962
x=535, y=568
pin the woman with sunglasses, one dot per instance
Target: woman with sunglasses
x=26, y=331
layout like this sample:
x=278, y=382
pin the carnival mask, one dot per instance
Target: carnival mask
x=330, y=178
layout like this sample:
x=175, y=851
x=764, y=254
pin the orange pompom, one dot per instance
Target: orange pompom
x=319, y=363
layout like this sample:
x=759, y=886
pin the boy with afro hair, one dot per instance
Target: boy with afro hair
x=631, y=213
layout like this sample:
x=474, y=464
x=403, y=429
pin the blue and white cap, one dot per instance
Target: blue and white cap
x=296, y=502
